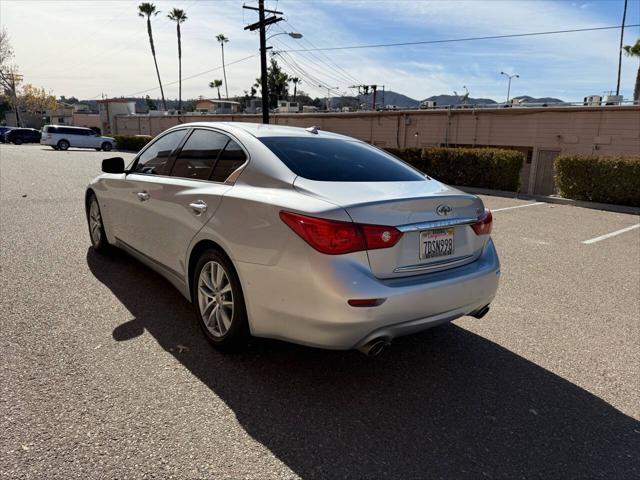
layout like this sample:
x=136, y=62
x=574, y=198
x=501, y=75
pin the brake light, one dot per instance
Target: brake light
x=484, y=224
x=334, y=237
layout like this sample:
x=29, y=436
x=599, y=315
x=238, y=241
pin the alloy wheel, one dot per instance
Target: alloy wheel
x=95, y=222
x=215, y=298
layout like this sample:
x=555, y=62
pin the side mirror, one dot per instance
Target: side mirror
x=113, y=165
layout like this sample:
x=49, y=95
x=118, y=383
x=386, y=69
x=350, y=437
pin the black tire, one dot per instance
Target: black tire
x=63, y=145
x=97, y=235
x=237, y=334
x=107, y=147
x=17, y=141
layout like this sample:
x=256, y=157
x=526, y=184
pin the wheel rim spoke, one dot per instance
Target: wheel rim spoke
x=215, y=299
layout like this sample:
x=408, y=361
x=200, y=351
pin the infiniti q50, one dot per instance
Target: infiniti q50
x=296, y=234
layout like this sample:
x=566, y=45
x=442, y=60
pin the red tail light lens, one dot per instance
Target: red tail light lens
x=484, y=225
x=334, y=237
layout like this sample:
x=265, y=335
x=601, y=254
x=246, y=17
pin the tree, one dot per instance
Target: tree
x=9, y=76
x=295, y=81
x=222, y=40
x=36, y=100
x=216, y=84
x=151, y=105
x=634, y=52
x=148, y=10
x=178, y=16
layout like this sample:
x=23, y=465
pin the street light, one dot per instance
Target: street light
x=509, y=87
x=294, y=35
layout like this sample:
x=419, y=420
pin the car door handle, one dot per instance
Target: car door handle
x=198, y=206
x=142, y=196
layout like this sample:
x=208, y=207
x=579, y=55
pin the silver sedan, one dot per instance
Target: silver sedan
x=296, y=234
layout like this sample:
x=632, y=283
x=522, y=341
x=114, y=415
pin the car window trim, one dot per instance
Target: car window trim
x=215, y=162
x=226, y=134
x=170, y=159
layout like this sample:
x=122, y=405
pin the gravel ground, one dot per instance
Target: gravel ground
x=104, y=373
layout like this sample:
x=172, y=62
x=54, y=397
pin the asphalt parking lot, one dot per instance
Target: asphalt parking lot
x=104, y=372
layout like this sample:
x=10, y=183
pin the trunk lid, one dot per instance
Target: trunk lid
x=425, y=211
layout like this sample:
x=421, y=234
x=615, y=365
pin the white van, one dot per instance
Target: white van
x=61, y=137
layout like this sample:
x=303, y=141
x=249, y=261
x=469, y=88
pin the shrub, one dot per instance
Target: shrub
x=604, y=179
x=492, y=168
x=132, y=143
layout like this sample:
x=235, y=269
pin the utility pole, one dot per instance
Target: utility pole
x=373, y=100
x=15, y=95
x=624, y=17
x=261, y=24
x=328, y=95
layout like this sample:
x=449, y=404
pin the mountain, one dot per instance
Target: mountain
x=528, y=99
x=444, y=100
x=390, y=97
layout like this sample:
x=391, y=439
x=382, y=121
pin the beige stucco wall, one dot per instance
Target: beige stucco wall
x=581, y=129
x=86, y=120
x=600, y=130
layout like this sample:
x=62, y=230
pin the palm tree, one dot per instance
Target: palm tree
x=295, y=81
x=147, y=9
x=634, y=51
x=222, y=40
x=179, y=16
x=216, y=84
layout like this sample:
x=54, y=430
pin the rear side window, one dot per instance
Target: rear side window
x=337, y=160
x=154, y=159
x=232, y=157
x=199, y=154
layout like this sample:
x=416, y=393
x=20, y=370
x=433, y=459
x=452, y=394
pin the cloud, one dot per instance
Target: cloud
x=103, y=48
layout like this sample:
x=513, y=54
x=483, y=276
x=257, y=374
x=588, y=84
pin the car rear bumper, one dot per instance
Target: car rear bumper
x=308, y=304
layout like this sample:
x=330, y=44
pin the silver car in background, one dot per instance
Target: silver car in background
x=297, y=234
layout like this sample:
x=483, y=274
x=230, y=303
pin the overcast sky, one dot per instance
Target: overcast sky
x=88, y=48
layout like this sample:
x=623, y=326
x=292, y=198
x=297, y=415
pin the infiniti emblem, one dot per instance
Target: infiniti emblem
x=444, y=210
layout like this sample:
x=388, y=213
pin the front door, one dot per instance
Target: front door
x=171, y=210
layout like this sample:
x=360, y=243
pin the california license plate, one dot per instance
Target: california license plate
x=436, y=243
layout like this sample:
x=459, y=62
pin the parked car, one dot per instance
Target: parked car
x=19, y=136
x=4, y=130
x=62, y=137
x=296, y=234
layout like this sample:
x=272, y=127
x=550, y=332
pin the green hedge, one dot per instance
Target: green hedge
x=491, y=168
x=132, y=143
x=595, y=178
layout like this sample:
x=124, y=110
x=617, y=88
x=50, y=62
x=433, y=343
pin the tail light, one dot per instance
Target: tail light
x=334, y=237
x=484, y=224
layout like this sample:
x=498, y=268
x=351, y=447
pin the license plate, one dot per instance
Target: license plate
x=436, y=243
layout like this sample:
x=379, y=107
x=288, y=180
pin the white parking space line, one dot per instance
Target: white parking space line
x=612, y=234
x=519, y=206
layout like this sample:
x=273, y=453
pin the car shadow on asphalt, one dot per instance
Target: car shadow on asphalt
x=445, y=403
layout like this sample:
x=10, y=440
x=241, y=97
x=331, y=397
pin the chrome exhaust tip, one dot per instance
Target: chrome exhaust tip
x=374, y=347
x=480, y=313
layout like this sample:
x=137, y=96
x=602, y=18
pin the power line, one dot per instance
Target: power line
x=318, y=67
x=465, y=39
x=194, y=75
x=348, y=75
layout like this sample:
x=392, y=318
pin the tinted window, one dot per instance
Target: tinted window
x=232, y=157
x=154, y=159
x=199, y=154
x=336, y=160
x=69, y=131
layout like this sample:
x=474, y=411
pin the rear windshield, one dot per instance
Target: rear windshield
x=337, y=160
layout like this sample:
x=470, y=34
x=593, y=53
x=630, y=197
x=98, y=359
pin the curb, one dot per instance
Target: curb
x=553, y=199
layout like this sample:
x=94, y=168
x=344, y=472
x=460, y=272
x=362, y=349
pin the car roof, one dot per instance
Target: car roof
x=261, y=130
